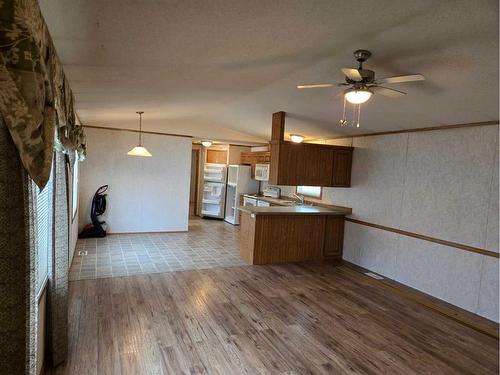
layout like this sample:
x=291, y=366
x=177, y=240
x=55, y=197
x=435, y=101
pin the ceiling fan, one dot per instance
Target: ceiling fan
x=362, y=83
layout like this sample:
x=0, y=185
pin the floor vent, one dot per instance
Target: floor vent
x=82, y=253
x=374, y=275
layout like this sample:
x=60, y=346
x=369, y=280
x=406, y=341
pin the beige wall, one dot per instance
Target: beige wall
x=442, y=184
x=41, y=331
x=145, y=194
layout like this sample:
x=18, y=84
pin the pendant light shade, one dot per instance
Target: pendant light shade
x=139, y=150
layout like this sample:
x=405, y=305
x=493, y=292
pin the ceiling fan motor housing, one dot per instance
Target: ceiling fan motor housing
x=361, y=55
x=367, y=75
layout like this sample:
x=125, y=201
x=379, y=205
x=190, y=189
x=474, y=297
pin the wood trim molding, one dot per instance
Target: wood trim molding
x=136, y=131
x=427, y=238
x=415, y=130
x=462, y=316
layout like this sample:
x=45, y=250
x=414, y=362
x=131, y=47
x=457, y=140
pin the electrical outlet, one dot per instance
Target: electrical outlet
x=82, y=253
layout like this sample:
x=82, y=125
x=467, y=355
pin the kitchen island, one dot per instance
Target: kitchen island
x=279, y=234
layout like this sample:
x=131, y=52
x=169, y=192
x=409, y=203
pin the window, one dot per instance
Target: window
x=310, y=191
x=74, y=191
x=44, y=214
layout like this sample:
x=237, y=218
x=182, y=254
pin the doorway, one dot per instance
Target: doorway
x=193, y=193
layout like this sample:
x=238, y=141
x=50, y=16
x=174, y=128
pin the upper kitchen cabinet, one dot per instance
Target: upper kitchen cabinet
x=307, y=164
x=253, y=158
x=217, y=156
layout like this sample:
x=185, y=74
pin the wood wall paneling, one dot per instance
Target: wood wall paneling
x=267, y=239
x=334, y=237
x=341, y=171
x=288, y=238
x=309, y=164
x=247, y=235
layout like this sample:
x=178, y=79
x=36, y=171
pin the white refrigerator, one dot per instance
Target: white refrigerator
x=214, y=190
x=239, y=181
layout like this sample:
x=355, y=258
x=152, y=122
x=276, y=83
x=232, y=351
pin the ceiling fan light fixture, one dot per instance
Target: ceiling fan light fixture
x=206, y=143
x=296, y=138
x=358, y=96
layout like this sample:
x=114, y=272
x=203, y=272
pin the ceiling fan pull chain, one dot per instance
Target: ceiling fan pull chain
x=343, y=121
x=359, y=114
x=353, y=114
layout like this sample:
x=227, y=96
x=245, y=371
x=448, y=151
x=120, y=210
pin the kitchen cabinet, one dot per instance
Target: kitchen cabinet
x=216, y=156
x=307, y=164
x=278, y=237
x=253, y=158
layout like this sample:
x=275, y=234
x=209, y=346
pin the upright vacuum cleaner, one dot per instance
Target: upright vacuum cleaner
x=98, y=208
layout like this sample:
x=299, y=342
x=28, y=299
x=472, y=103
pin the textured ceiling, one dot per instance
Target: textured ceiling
x=219, y=69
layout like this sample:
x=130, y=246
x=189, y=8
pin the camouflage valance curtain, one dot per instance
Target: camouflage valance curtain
x=36, y=102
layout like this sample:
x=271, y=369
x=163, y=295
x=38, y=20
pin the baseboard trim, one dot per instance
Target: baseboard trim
x=458, y=314
x=157, y=232
x=456, y=245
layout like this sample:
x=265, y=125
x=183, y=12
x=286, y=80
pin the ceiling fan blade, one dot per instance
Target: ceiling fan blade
x=352, y=74
x=315, y=85
x=401, y=79
x=387, y=91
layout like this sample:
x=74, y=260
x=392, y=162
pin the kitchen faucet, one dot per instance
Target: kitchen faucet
x=300, y=198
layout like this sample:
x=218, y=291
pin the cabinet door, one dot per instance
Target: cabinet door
x=246, y=159
x=313, y=165
x=342, y=162
x=334, y=237
x=217, y=156
x=287, y=167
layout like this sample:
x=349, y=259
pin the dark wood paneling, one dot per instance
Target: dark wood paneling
x=341, y=171
x=278, y=126
x=308, y=164
x=247, y=236
x=334, y=237
x=269, y=239
x=281, y=239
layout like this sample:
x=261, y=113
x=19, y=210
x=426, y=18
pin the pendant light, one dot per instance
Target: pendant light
x=139, y=150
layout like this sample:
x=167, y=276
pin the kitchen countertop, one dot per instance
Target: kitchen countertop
x=269, y=199
x=294, y=210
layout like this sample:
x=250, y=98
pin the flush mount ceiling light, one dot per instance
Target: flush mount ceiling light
x=358, y=95
x=139, y=150
x=296, y=138
x=206, y=143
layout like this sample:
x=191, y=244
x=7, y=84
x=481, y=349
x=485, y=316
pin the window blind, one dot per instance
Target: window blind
x=44, y=215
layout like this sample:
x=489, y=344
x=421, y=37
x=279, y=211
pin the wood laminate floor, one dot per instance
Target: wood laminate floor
x=285, y=319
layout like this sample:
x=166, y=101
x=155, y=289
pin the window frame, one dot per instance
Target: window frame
x=74, y=188
x=320, y=196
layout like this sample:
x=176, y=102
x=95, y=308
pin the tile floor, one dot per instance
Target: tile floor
x=207, y=244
